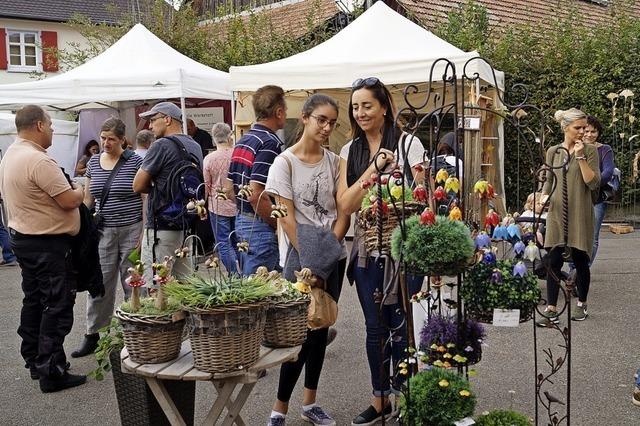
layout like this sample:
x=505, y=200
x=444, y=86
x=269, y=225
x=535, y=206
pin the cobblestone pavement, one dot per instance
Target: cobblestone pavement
x=606, y=354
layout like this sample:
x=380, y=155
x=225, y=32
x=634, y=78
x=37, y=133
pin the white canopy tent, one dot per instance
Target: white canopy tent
x=139, y=66
x=379, y=43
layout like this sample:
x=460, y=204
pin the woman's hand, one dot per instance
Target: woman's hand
x=382, y=158
x=578, y=148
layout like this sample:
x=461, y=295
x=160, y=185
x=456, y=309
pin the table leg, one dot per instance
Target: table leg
x=225, y=390
x=233, y=415
x=165, y=401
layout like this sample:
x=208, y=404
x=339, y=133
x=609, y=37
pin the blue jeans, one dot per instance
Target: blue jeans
x=599, y=209
x=7, y=254
x=226, y=242
x=380, y=322
x=263, y=244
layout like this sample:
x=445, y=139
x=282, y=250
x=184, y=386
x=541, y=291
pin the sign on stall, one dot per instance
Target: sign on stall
x=205, y=118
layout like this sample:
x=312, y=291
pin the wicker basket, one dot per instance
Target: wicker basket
x=286, y=324
x=368, y=223
x=151, y=339
x=226, y=338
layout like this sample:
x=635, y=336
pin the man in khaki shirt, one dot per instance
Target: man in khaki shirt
x=42, y=208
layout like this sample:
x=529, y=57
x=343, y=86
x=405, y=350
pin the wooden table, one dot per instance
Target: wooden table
x=182, y=368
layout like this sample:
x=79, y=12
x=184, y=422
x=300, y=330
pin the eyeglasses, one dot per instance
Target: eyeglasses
x=365, y=82
x=322, y=122
x=152, y=119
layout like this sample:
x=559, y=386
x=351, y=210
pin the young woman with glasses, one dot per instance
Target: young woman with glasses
x=377, y=144
x=304, y=178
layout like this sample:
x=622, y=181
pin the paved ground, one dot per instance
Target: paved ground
x=606, y=354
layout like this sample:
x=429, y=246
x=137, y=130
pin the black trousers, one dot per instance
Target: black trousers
x=583, y=273
x=49, y=288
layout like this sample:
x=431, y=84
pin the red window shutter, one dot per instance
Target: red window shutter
x=3, y=49
x=49, y=53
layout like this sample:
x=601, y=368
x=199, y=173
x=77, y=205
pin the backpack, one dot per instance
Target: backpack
x=184, y=183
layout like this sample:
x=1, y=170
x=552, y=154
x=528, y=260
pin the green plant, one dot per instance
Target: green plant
x=502, y=418
x=437, y=397
x=445, y=347
x=199, y=292
x=148, y=307
x=490, y=285
x=442, y=248
x=111, y=340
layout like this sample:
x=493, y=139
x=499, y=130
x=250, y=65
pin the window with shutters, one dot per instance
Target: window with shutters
x=23, y=52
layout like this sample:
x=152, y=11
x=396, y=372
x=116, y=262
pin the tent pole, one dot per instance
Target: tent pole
x=183, y=107
x=233, y=109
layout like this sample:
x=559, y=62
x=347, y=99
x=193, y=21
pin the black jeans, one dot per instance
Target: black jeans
x=313, y=349
x=583, y=273
x=49, y=289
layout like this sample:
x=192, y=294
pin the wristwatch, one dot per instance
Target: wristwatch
x=581, y=158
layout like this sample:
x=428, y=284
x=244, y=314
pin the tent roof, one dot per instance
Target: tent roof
x=138, y=66
x=380, y=43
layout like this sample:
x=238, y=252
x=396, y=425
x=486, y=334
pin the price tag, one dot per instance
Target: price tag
x=506, y=317
x=467, y=421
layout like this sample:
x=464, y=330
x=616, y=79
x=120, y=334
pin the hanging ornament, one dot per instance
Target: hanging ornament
x=492, y=219
x=396, y=192
x=278, y=211
x=420, y=193
x=514, y=231
x=483, y=240
x=221, y=194
x=442, y=176
x=496, y=276
x=182, y=252
x=531, y=252
x=520, y=269
x=500, y=233
x=245, y=192
x=455, y=213
x=452, y=184
x=427, y=217
x=212, y=262
x=439, y=194
x=489, y=257
x=518, y=248
x=243, y=246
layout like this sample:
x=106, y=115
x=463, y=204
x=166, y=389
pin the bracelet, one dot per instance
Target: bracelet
x=581, y=158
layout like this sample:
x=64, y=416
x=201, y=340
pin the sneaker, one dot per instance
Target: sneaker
x=35, y=375
x=549, y=319
x=579, y=313
x=370, y=416
x=276, y=421
x=66, y=381
x=9, y=264
x=317, y=416
x=636, y=396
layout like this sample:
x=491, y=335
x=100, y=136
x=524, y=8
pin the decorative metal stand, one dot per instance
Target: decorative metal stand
x=442, y=99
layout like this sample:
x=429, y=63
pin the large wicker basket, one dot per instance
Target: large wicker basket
x=286, y=324
x=226, y=338
x=151, y=339
x=368, y=223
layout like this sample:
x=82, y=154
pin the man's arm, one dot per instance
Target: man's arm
x=261, y=203
x=71, y=198
x=142, y=182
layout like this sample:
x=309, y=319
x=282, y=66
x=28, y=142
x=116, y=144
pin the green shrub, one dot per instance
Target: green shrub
x=443, y=248
x=437, y=397
x=483, y=290
x=502, y=418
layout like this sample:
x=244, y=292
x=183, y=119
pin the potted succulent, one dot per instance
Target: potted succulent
x=502, y=418
x=499, y=284
x=226, y=319
x=433, y=245
x=136, y=402
x=446, y=344
x=437, y=397
x=152, y=326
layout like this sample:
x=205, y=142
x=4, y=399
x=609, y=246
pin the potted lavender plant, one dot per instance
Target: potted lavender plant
x=447, y=344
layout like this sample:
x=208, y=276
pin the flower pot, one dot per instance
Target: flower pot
x=137, y=404
x=286, y=324
x=226, y=338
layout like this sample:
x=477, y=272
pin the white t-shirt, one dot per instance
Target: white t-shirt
x=311, y=187
x=415, y=151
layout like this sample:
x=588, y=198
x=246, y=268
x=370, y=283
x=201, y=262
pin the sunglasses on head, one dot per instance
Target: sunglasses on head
x=364, y=82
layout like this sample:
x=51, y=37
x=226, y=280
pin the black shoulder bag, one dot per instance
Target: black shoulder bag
x=98, y=218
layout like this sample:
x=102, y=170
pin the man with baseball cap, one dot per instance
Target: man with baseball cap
x=165, y=121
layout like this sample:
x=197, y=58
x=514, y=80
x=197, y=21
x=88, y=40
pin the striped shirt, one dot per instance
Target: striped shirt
x=123, y=206
x=252, y=157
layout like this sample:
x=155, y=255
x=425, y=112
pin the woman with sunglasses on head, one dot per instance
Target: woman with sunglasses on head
x=377, y=145
x=304, y=179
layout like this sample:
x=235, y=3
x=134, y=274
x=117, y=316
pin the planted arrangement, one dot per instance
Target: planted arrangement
x=433, y=245
x=502, y=418
x=226, y=319
x=439, y=397
x=499, y=284
x=152, y=327
x=445, y=347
